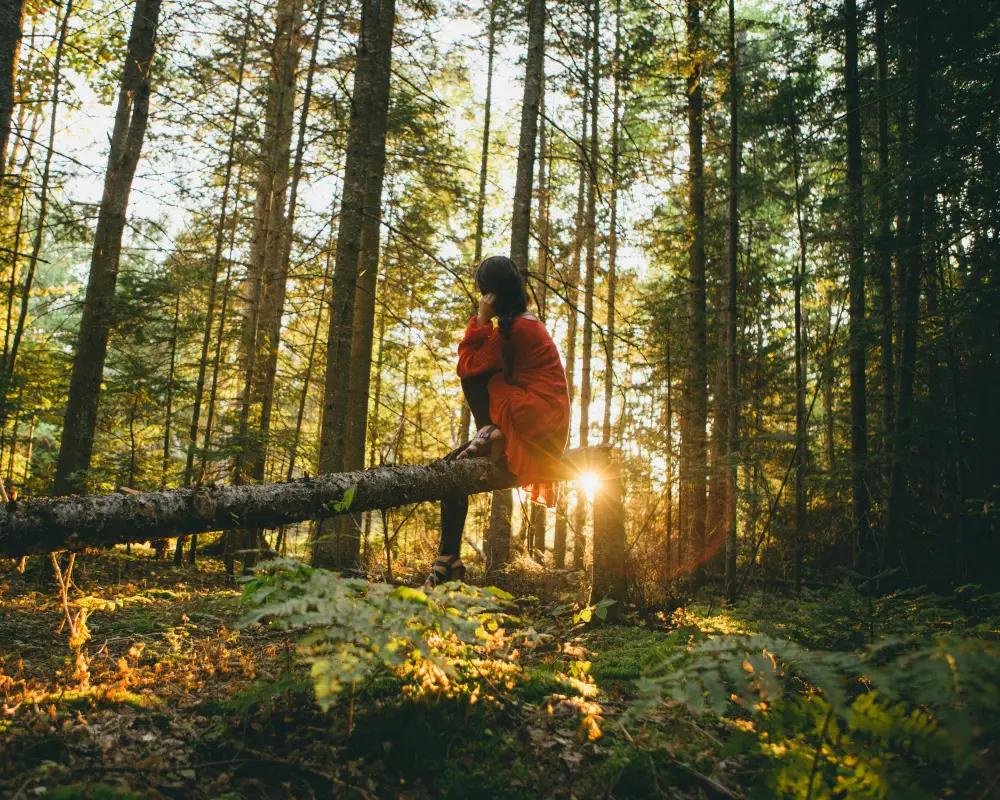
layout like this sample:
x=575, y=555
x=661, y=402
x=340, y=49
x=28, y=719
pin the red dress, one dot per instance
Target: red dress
x=533, y=412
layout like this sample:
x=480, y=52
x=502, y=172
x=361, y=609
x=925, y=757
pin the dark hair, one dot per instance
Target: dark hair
x=500, y=276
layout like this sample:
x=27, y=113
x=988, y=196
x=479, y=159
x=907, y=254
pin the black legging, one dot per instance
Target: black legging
x=454, y=508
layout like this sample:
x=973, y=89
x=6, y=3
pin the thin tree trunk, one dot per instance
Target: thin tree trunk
x=10, y=362
x=520, y=225
x=485, y=147
x=912, y=269
x=465, y=418
x=695, y=411
x=885, y=248
x=860, y=502
x=80, y=420
x=544, y=168
x=220, y=233
x=590, y=226
x=609, y=339
x=801, y=442
x=572, y=295
x=732, y=253
x=169, y=411
x=267, y=271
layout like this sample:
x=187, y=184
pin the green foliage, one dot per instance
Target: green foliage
x=352, y=629
x=884, y=722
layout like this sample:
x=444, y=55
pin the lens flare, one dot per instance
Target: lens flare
x=589, y=482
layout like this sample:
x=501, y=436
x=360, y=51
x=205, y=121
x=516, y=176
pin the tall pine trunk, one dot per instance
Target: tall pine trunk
x=695, y=394
x=885, y=250
x=361, y=201
x=9, y=362
x=860, y=502
x=520, y=223
x=801, y=442
x=572, y=296
x=80, y=420
x=732, y=253
x=913, y=269
x=609, y=342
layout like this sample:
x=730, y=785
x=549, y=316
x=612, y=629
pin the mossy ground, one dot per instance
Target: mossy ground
x=178, y=702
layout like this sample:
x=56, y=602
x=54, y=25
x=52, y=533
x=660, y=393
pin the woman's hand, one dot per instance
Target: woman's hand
x=486, y=312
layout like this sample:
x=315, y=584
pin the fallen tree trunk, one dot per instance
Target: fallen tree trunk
x=44, y=525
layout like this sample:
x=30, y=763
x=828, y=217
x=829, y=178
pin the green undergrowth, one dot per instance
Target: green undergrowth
x=336, y=687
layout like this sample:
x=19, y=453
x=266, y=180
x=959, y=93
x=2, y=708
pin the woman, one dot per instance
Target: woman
x=515, y=385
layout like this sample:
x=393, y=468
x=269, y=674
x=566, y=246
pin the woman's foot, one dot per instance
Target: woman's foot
x=444, y=569
x=488, y=443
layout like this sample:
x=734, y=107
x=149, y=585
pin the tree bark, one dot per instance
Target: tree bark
x=127, y=137
x=885, y=250
x=10, y=47
x=860, y=502
x=801, y=441
x=590, y=225
x=572, y=295
x=732, y=253
x=609, y=339
x=10, y=358
x=270, y=241
x=913, y=268
x=361, y=201
x=695, y=395
x=520, y=224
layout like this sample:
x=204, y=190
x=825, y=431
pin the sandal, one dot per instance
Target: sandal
x=445, y=569
x=482, y=446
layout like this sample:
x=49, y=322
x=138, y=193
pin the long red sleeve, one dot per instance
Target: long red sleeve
x=480, y=350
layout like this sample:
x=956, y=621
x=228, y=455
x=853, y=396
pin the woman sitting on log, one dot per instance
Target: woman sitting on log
x=514, y=382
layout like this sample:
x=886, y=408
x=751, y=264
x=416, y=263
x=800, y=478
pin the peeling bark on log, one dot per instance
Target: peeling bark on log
x=74, y=522
x=71, y=523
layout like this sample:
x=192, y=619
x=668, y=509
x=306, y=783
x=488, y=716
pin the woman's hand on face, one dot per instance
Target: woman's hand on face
x=486, y=312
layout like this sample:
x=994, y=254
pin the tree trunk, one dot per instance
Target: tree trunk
x=544, y=258
x=885, y=249
x=465, y=418
x=520, y=224
x=590, y=226
x=485, y=149
x=609, y=340
x=169, y=411
x=10, y=47
x=361, y=201
x=732, y=253
x=267, y=272
x=572, y=296
x=801, y=441
x=129, y=131
x=913, y=268
x=695, y=395
x=220, y=232
x=860, y=502
x=10, y=360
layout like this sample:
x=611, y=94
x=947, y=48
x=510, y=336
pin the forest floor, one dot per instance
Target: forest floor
x=176, y=700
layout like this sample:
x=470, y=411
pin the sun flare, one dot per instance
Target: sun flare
x=589, y=482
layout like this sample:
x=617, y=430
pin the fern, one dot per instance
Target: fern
x=879, y=723
x=351, y=629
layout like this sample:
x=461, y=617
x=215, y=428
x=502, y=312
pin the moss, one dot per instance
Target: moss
x=94, y=791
